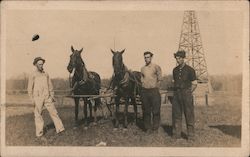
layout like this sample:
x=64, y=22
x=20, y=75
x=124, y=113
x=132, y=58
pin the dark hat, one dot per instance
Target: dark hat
x=180, y=53
x=37, y=59
x=148, y=52
x=35, y=37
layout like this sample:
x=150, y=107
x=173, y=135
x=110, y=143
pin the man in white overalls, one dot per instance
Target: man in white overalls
x=41, y=92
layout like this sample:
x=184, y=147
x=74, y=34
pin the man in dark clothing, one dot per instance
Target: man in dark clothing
x=151, y=99
x=185, y=83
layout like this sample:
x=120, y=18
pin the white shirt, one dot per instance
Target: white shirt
x=40, y=85
x=151, y=75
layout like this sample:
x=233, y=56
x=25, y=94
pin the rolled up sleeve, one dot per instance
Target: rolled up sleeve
x=192, y=75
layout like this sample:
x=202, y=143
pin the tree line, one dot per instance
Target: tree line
x=218, y=83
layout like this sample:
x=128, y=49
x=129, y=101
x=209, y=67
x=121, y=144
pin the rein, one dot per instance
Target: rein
x=81, y=82
x=125, y=78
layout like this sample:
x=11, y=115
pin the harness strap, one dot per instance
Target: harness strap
x=125, y=79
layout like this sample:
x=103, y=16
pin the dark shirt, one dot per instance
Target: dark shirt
x=183, y=77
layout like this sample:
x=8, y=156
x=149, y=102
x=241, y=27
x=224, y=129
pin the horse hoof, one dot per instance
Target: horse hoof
x=75, y=126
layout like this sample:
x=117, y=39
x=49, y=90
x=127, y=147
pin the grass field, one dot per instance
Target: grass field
x=217, y=125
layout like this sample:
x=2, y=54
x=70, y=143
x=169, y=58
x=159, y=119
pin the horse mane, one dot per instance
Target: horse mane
x=85, y=74
x=82, y=61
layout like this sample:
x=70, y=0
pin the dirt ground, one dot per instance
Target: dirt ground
x=217, y=125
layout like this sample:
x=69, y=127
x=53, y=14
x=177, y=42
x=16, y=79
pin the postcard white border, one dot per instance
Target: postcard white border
x=131, y=6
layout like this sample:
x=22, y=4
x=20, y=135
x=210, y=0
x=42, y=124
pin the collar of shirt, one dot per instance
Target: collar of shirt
x=38, y=71
x=182, y=66
x=149, y=65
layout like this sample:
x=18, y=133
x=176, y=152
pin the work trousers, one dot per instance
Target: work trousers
x=49, y=105
x=183, y=102
x=151, y=105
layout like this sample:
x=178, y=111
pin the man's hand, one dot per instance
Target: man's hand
x=159, y=84
x=194, y=85
x=53, y=98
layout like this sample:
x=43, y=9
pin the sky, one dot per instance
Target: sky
x=136, y=31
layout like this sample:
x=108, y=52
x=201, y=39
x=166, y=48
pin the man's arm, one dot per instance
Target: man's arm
x=159, y=75
x=30, y=86
x=194, y=85
x=193, y=79
x=50, y=86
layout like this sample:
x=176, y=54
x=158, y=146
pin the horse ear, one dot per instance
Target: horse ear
x=122, y=51
x=112, y=51
x=72, y=49
x=81, y=50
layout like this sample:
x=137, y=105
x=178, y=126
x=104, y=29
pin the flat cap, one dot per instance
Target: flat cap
x=38, y=59
x=180, y=53
x=35, y=37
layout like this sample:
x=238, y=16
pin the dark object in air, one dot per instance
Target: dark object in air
x=35, y=37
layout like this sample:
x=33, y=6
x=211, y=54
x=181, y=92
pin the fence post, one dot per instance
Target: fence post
x=206, y=98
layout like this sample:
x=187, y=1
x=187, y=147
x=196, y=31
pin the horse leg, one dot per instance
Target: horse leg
x=90, y=110
x=85, y=111
x=110, y=110
x=135, y=109
x=117, y=101
x=97, y=102
x=76, y=111
x=126, y=113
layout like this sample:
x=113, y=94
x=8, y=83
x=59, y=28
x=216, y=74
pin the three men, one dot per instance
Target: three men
x=150, y=95
x=185, y=83
x=41, y=92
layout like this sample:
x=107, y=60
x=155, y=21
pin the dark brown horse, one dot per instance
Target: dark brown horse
x=83, y=82
x=126, y=85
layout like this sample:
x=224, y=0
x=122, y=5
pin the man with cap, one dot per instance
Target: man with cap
x=185, y=83
x=150, y=95
x=41, y=92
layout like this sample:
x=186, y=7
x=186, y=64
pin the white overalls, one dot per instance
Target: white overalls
x=40, y=90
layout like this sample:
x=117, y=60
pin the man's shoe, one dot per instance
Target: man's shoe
x=61, y=132
x=176, y=137
x=45, y=129
x=159, y=130
x=191, y=138
x=149, y=131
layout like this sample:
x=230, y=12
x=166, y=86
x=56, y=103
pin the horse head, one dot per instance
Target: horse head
x=118, y=62
x=76, y=65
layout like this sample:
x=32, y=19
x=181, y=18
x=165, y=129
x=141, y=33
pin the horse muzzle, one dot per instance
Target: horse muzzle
x=72, y=73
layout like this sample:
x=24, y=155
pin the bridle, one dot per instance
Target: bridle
x=75, y=73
